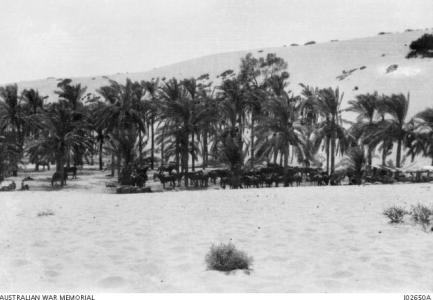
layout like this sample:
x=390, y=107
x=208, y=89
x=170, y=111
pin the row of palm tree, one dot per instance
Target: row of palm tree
x=243, y=120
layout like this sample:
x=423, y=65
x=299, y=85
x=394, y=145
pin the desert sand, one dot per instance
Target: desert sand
x=306, y=239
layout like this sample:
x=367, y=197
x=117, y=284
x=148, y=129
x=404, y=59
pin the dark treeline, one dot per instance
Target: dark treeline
x=248, y=118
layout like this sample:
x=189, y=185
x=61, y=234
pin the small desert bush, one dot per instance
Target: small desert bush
x=46, y=213
x=226, y=258
x=395, y=214
x=422, y=215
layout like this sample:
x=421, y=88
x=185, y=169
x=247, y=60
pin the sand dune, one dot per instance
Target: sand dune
x=317, y=65
x=308, y=239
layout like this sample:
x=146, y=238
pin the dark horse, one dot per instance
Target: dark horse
x=58, y=177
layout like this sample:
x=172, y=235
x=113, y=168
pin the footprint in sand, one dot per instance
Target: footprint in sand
x=112, y=282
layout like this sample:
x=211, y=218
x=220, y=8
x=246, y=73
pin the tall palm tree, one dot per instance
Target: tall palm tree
x=12, y=118
x=282, y=124
x=73, y=95
x=124, y=119
x=330, y=128
x=234, y=103
x=33, y=103
x=365, y=106
x=152, y=89
x=176, y=111
x=397, y=106
x=64, y=131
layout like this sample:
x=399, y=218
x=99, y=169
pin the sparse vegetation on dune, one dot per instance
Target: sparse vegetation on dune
x=226, y=258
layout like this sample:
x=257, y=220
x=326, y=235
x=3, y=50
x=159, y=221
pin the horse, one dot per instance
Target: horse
x=58, y=177
x=72, y=170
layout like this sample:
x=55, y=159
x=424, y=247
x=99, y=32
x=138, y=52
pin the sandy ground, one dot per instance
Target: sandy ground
x=307, y=239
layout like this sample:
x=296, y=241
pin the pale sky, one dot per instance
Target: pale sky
x=67, y=38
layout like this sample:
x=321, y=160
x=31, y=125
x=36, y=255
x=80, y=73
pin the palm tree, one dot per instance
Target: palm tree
x=64, y=131
x=355, y=162
x=96, y=110
x=73, y=95
x=281, y=123
x=191, y=87
x=152, y=89
x=330, y=128
x=12, y=118
x=176, y=111
x=397, y=106
x=233, y=105
x=33, y=103
x=183, y=114
x=33, y=100
x=9, y=151
x=422, y=133
x=207, y=124
x=124, y=119
x=365, y=106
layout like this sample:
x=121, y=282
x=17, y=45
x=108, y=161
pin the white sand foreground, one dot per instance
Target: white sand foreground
x=308, y=239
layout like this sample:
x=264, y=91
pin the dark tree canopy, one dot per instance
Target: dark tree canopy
x=422, y=47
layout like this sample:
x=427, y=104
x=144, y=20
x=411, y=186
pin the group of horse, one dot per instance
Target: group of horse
x=271, y=175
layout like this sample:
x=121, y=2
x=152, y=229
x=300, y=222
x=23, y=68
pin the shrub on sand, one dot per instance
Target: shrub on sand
x=226, y=258
x=46, y=213
x=395, y=214
x=422, y=215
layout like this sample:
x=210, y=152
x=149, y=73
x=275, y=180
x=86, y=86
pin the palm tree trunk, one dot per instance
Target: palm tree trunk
x=205, y=150
x=192, y=153
x=113, y=158
x=140, y=144
x=162, y=149
x=177, y=155
x=384, y=150
x=252, y=140
x=101, y=143
x=370, y=156
x=152, y=145
x=118, y=163
x=285, y=154
x=332, y=154
x=185, y=156
x=327, y=154
x=398, y=159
